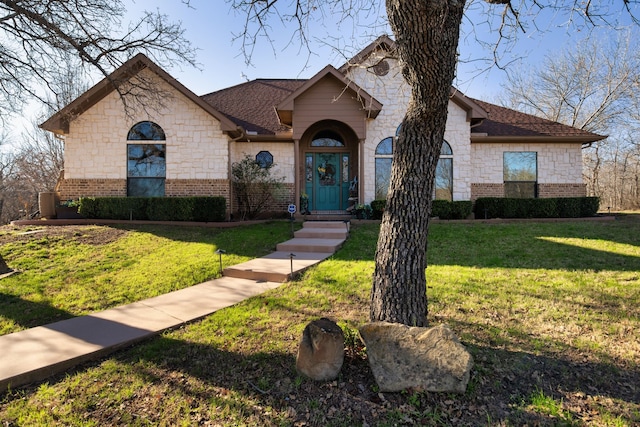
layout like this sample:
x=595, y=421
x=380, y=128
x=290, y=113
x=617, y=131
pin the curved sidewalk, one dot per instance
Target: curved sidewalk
x=38, y=353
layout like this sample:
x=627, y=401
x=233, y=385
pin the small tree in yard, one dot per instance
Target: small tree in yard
x=254, y=187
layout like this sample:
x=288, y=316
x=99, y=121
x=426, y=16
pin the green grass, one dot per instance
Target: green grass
x=89, y=269
x=550, y=312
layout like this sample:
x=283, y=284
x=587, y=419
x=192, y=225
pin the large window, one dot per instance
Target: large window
x=444, y=170
x=444, y=173
x=146, y=163
x=384, y=156
x=520, y=169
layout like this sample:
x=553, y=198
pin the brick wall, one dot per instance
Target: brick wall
x=486, y=190
x=562, y=190
x=544, y=190
x=196, y=187
x=69, y=189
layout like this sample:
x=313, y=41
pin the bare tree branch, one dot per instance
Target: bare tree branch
x=37, y=34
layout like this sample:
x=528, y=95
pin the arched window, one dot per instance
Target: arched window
x=384, y=157
x=444, y=173
x=146, y=163
x=146, y=131
x=327, y=138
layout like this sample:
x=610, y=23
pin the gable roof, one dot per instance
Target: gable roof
x=504, y=125
x=383, y=42
x=59, y=122
x=370, y=105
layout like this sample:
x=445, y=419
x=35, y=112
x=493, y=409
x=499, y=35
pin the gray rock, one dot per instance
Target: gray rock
x=428, y=359
x=321, y=350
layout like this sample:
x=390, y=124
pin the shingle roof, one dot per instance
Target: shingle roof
x=252, y=104
x=505, y=122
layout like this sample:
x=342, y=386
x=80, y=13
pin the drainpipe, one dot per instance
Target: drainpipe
x=296, y=172
x=361, y=180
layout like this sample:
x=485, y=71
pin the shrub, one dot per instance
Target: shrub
x=560, y=207
x=203, y=209
x=441, y=209
x=461, y=209
x=253, y=186
x=378, y=208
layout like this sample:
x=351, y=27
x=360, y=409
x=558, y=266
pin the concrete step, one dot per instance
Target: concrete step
x=326, y=224
x=298, y=244
x=321, y=233
x=275, y=267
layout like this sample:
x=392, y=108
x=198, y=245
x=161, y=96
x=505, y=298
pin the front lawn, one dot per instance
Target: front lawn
x=550, y=312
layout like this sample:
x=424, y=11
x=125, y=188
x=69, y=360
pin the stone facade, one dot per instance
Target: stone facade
x=392, y=91
x=199, y=155
x=559, y=169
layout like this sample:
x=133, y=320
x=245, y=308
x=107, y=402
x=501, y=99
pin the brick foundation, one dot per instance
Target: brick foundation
x=561, y=190
x=70, y=189
x=545, y=191
x=196, y=187
x=486, y=190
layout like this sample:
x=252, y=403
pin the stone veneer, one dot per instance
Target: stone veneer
x=196, y=147
x=392, y=91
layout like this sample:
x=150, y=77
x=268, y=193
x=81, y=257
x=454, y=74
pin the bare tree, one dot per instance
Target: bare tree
x=592, y=86
x=427, y=35
x=37, y=35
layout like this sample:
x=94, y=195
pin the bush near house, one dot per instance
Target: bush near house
x=443, y=209
x=559, y=207
x=199, y=209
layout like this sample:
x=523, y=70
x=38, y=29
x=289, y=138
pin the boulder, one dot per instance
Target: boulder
x=321, y=350
x=427, y=359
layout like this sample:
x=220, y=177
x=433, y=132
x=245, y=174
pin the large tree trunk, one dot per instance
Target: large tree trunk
x=426, y=35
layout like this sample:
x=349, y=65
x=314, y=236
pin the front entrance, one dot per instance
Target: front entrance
x=327, y=179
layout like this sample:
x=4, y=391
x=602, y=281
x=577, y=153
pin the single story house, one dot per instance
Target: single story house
x=324, y=135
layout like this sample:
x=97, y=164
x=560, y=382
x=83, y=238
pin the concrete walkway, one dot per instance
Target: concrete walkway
x=36, y=354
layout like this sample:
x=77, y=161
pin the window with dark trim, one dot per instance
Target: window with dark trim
x=444, y=174
x=146, y=163
x=520, y=170
x=264, y=159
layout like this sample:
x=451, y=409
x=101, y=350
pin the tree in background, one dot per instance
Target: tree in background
x=35, y=162
x=592, y=86
x=426, y=35
x=36, y=36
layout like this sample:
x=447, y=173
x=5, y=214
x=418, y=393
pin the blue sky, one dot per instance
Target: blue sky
x=211, y=25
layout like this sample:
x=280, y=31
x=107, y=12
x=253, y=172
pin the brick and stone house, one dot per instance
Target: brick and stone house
x=325, y=135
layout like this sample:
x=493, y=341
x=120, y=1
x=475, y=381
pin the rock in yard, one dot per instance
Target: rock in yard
x=429, y=359
x=321, y=350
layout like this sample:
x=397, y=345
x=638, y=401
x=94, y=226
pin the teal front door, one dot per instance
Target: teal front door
x=327, y=181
